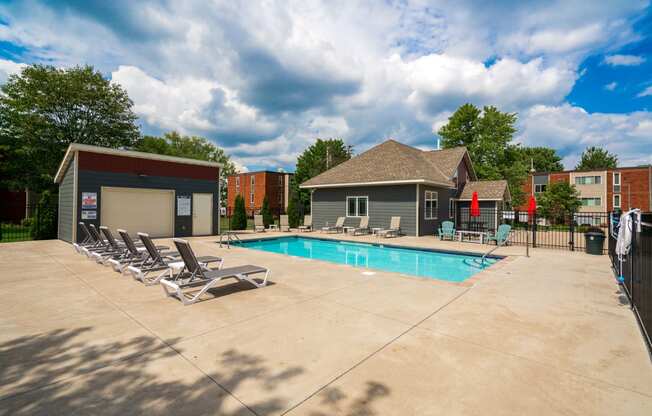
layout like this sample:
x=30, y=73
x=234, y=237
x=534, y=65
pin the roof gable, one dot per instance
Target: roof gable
x=487, y=190
x=393, y=162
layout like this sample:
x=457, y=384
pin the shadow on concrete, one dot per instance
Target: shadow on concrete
x=56, y=373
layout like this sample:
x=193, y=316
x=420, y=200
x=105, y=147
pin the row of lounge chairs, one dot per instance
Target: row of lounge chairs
x=394, y=229
x=181, y=274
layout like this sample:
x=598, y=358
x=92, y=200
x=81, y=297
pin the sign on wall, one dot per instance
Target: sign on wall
x=89, y=200
x=183, y=206
x=89, y=215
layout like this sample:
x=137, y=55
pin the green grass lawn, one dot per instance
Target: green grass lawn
x=14, y=232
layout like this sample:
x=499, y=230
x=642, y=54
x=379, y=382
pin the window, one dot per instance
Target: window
x=451, y=208
x=616, y=201
x=430, y=205
x=251, y=191
x=357, y=206
x=538, y=188
x=280, y=197
x=591, y=202
x=237, y=184
x=280, y=180
x=616, y=181
x=588, y=180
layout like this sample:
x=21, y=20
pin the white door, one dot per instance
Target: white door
x=202, y=214
x=136, y=210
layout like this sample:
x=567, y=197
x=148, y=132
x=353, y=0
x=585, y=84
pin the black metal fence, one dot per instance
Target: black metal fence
x=38, y=226
x=564, y=231
x=227, y=214
x=635, y=271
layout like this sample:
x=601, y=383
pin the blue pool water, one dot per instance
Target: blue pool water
x=422, y=263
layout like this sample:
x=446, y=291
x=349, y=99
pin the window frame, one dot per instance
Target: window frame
x=433, y=213
x=620, y=201
x=540, y=191
x=357, y=206
x=594, y=198
x=581, y=180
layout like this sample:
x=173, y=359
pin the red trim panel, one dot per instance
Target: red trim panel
x=120, y=164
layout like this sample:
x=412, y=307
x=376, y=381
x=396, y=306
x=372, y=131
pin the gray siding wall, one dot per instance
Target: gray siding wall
x=66, y=202
x=384, y=203
x=429, y=227
x=92, y=181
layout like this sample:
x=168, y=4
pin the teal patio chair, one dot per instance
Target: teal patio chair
x=501, y=236
x=447, y=230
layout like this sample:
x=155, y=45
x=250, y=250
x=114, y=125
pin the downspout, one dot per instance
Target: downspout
x=418, y=219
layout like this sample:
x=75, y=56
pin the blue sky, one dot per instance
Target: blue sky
x=263, y=80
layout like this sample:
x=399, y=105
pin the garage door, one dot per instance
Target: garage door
x=138, y=210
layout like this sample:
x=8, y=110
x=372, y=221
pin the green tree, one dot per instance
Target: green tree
x=558, y=200
x=193, y=147
x=239, y=217
x=293, y=213
x=44, y=109
x=266, y=212
x=487, y=134
x=597, y=158
x=322, y=155
x=543, y=159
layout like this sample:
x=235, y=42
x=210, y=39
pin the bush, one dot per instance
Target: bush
x=266, y=212
x=44, y=226
x=293, y=213
x=239, y=218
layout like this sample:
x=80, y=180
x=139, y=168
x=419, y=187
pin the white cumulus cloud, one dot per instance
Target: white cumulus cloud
x=624, y=60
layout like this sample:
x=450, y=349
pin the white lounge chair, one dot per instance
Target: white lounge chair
x=165, y=262
x=205, y=278
x=363, y=228
x=394, y=229
x=285, y=223
x=338, y=227
x=307, y=223
x=259, y=226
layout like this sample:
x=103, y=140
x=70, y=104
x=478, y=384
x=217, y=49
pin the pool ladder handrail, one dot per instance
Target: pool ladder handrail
x=230, y=236
x=498, y=245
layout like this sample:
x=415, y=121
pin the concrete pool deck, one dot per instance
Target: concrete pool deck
x=548, y=334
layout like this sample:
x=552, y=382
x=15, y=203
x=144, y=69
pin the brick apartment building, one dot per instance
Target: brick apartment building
x=601, y=190
x=254, y=186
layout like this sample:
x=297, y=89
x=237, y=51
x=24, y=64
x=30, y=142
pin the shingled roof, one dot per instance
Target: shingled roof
x=487, y=190
x=393, y=162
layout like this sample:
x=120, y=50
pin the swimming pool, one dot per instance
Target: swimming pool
x=416, y=262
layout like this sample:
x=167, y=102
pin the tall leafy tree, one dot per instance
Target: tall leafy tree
x=488, y=134
x=322, y=155
x=43, y=109
x=558, y=200
x=543, y=159
x=193, y=147
x=597, y=158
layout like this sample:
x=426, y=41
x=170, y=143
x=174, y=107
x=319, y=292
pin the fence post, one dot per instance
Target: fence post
x=571, y=228
x=534, y=230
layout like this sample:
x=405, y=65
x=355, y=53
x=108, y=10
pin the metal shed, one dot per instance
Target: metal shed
x=164, y=196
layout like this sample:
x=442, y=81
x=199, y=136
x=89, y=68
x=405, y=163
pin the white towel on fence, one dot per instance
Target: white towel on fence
x=625, y=230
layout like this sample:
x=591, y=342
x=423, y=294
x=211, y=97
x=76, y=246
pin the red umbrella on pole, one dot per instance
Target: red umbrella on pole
x=475, y=205
x=532, y=207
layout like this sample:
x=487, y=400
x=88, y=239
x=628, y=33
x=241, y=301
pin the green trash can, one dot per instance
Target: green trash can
x=594, y=241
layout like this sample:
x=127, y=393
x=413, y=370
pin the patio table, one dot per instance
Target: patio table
x=478, y=234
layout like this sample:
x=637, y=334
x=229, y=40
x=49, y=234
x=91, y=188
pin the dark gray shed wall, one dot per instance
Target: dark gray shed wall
x=429, y=227
x=92, y=181
x=384, y=203
x=66, y=203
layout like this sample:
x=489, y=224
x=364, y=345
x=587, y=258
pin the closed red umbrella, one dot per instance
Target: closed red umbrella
x=532, y=207
x=475, y=205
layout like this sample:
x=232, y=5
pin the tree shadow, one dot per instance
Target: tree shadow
x=359, y=404
x=67, y=372
x=56, y=373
